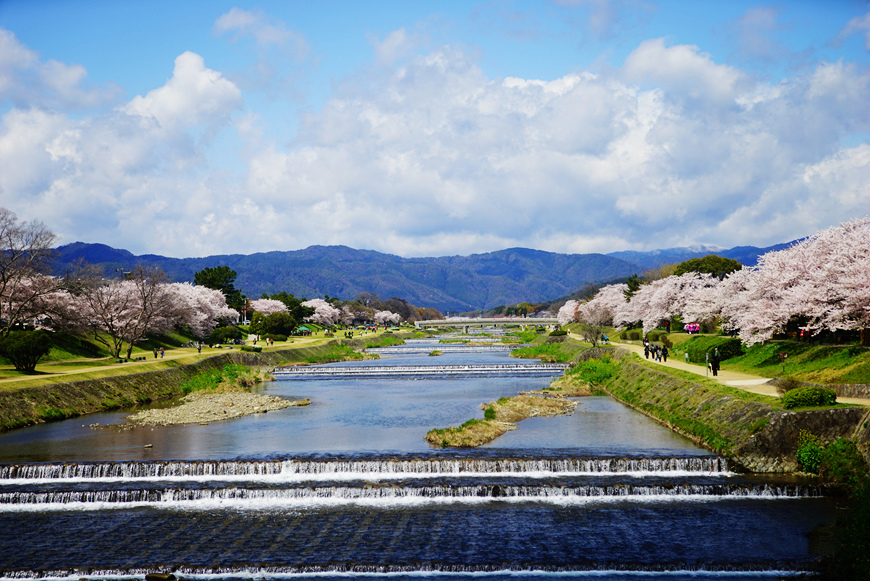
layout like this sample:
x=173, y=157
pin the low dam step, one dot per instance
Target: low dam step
x=421, y=371
x=361, y=468
x=428, y=348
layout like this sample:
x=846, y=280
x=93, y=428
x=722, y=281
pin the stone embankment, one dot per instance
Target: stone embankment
x=206, y=407
x=759, y=436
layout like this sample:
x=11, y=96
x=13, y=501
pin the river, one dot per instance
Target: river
x=347, y=487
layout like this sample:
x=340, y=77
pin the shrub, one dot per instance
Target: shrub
x=25, y=348
x=489, y=413
x=653, y=335
x=252, y=348
x=275, y=337
x=809, y=452
x=787, y=384
x=809, y=396
x=841, y=462
x=559, y=333
x=224, y=335
x=634, y=336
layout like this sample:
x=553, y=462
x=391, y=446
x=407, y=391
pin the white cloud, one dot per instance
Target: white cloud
x=859, y=25
x=26, y=81
x=429, y=156
x=682, y=70
x=194, y=95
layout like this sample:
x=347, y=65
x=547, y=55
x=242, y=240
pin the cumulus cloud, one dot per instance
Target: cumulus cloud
x=427, y=155
x=26, y=81
x=194, y=95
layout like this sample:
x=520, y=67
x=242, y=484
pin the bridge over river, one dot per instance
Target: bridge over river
x=489, y=322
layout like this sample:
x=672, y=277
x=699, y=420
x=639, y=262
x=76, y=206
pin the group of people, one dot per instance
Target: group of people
x=658, y=353
x=693, y=328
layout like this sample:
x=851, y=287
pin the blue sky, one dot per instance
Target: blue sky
x=434, y=128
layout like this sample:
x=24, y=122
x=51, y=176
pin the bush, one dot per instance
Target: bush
x=634, y=336
x=252, y=348
x=224, y=335
x=698, y=347
x=489, y=414
x=809, y=452
x=25, y=348
x=275, y=337
x=786, y=384
x=812, y=395
x=841, y=462
x=559, y=333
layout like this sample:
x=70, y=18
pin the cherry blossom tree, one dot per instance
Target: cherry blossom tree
x=268, y=306
x=568, y=312
x=324, y=313
x=25, y=255
x=126, y=311
x=823, y=281
x=387, y=317
x=200, y=308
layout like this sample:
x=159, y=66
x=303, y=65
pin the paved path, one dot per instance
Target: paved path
x=744, y=381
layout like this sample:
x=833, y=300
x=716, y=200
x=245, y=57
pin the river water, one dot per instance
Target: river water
x=347, y=487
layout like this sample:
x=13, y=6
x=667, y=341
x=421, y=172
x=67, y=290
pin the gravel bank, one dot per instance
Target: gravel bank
x=204, y=407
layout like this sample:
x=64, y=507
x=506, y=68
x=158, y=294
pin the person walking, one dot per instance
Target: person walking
x=714, y=362
x=665, y=353
x=646, y=349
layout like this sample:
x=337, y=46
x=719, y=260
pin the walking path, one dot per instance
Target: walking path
x=46, y=371
x=744, y=381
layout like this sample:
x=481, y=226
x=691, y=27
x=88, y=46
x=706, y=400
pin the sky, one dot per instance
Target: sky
x=434, y=128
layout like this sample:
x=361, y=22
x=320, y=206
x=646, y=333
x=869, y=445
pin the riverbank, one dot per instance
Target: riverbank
x=66, y=399
x=751, y=430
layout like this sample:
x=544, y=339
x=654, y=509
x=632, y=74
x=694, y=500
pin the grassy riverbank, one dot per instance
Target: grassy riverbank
x=70, y=395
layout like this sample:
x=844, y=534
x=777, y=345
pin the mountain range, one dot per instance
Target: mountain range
x=449, y=284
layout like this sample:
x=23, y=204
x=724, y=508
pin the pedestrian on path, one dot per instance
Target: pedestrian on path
x=665, y=353
x=714, y=362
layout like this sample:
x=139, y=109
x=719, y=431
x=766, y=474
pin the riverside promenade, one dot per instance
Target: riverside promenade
x=744, y=381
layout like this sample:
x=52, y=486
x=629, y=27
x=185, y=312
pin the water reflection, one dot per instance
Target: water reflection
x=366, y=416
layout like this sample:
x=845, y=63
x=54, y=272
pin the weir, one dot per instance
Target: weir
x=421, y=371
x=348, y=487
x=307, y=484
x=412, y=349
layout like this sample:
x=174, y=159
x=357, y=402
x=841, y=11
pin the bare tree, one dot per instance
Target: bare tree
x=25, y=260
x=368, y=299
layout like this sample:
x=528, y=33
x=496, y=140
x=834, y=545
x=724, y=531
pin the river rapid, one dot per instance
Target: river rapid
x=347, y=487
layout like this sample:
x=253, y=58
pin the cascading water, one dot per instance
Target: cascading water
x=604, y=493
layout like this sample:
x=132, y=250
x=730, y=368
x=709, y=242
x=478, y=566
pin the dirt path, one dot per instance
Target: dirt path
x=744, y=381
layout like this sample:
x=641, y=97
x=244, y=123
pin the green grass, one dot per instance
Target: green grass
x=551, y=353
x=813, y=363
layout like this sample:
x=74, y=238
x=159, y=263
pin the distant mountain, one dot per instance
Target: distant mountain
x=746, y=255
x=449, y=283
x=453, y=283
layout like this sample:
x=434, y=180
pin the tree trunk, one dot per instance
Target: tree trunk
x=130, y=351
